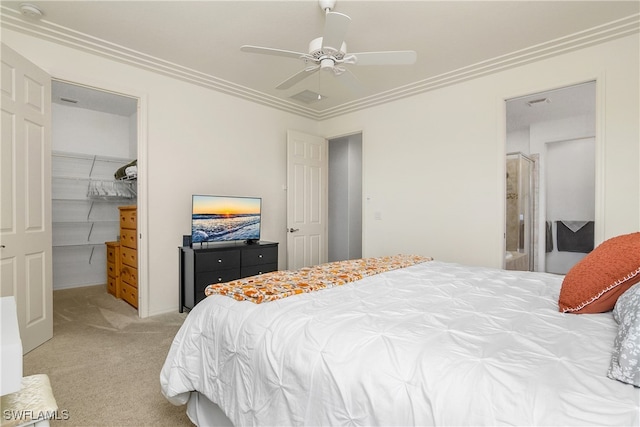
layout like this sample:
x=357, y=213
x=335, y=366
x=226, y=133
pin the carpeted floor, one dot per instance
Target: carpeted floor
x=104, y=362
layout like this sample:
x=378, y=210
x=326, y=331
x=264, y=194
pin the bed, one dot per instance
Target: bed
x=434, y=343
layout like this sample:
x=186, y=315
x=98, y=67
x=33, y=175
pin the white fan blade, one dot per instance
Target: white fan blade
x=398, y=57
x=298, y=77
x=274, y=52
x=350, y=81
x=335, y=30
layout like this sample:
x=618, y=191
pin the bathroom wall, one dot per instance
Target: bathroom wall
x=570, y=194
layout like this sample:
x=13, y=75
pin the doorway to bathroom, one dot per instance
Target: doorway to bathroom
x=550, y=187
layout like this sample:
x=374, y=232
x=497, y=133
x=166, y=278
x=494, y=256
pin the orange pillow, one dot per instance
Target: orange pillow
x=594, y=284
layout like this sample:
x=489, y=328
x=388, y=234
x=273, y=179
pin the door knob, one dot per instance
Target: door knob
x=293, y=230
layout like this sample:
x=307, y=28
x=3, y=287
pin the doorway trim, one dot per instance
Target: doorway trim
x=142, y=150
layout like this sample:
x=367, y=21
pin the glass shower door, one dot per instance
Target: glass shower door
x=519, y=213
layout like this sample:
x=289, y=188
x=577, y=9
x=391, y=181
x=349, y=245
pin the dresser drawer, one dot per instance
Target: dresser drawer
x=129, y=275
x=129, y=294
x=129, y=238
x=217, y=260
x=255, y=270
x=210, y=277
x=260, y=256
x=112, y=252
x=112, y=286
x=128, y=217
x=129, y=256
x=112, y=269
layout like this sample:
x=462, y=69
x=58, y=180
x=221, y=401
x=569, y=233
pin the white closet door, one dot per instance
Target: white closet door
x=25, y=220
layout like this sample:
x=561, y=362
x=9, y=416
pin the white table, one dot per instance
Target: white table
x=11, y=351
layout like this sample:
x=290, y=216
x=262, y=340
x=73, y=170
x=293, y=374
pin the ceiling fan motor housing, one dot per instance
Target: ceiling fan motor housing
x=316, y=50
x=327, y=4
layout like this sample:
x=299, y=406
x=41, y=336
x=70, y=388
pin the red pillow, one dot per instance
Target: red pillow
x=594, y=284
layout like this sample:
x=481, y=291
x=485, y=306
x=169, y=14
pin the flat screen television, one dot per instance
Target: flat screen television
x=225, y=219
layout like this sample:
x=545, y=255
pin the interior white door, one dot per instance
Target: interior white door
x=307, y=194
x=25, y=216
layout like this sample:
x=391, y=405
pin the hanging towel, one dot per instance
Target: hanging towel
x=574, y=226
x=580, y=240
x=548, y=237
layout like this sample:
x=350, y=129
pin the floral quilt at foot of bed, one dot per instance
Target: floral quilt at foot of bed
x=281, y=284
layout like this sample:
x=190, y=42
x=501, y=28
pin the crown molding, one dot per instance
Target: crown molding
x=11, y=19
x=596, y=35
x=45, y=30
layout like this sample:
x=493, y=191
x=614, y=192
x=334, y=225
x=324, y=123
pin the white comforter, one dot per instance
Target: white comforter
x=436, y=343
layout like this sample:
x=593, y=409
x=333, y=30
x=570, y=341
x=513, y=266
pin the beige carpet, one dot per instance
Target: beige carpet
x=104, y=362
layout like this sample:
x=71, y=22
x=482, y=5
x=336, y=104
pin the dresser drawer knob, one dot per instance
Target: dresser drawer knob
x=219, y=279
x=260, y=256
x=219, y=260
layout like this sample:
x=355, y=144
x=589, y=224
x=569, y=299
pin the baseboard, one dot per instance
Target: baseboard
x=84, y=285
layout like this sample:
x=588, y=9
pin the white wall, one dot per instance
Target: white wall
x=570, y=193
x=78, y=130
x=518, y=141
x=434, y=163
x=198, y=141
x=542, y=134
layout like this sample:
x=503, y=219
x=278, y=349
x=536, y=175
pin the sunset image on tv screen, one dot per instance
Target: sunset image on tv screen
x=218, y=218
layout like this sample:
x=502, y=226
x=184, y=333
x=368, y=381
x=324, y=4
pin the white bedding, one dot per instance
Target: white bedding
x=432, y=344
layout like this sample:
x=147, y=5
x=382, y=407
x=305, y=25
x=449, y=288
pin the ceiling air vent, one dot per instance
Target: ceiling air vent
x=308, y=97
x=539, y=101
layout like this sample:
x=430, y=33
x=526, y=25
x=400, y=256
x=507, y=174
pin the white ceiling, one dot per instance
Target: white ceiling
x=200, y=41
x=72, y=95
x=573, y=101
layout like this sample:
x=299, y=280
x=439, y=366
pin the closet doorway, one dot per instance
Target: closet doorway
x=94, y=172
x=556, y=130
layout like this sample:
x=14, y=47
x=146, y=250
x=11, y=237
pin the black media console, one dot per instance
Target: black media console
x=202, y=266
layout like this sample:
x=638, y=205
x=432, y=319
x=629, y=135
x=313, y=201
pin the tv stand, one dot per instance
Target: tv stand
x=202, y=266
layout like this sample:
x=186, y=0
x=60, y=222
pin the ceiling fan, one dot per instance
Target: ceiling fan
x=329, y=52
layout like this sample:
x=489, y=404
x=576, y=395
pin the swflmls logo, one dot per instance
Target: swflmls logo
x=28, y=415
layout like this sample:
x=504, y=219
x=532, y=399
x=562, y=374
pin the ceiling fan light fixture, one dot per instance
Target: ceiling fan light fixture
x=327, y=64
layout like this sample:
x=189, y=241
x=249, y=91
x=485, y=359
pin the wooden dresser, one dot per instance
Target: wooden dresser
x=129, y=254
